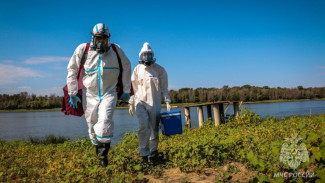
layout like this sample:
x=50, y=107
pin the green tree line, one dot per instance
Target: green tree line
x=24, y=100
x=244, y=93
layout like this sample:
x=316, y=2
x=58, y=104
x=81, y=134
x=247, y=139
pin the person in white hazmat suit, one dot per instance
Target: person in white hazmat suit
x=150, y=85
x=99, y=78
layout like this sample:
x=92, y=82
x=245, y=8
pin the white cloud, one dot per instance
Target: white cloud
x=321, y=73
x=7, y=61
x=49, y=59
x=25, y=88
x=40, y=92
x=13, y=74
x=15, y=90
x=60, y=68
x=174, y=87
x=48, y=91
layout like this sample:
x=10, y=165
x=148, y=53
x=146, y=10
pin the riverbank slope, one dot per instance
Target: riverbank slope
x=244, y=149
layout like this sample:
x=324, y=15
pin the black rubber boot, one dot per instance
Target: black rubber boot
x=144, y=158
x=154, y=156
x=102, y=150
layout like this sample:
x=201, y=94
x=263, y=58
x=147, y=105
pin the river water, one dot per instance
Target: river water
x=22, y=125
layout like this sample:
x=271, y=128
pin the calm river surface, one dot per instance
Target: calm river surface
x=22, y=125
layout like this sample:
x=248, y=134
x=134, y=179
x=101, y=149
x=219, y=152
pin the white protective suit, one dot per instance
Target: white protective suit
x=150, y=85
x=100, y=76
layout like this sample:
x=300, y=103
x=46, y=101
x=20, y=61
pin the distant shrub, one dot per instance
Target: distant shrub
x=50, y=139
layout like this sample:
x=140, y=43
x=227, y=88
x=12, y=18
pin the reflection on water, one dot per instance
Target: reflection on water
x=21, y=125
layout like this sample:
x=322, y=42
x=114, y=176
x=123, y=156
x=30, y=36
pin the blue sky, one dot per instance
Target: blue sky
x=200, y=43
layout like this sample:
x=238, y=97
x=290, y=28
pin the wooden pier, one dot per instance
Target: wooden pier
x=218, y=111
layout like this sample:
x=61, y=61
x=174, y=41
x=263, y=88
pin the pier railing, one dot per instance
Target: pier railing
x=218, y=111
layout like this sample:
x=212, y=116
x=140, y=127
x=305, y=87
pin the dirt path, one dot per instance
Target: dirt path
x=233, y=172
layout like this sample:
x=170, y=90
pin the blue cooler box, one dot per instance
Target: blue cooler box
x=171, y=123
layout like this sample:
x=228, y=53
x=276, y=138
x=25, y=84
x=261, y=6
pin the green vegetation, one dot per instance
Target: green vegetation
x=246, y=93
x=248, y=140
x=23, y=101
x=50, y=139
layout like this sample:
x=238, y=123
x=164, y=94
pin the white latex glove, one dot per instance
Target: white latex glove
x=168, y=106
x=131, y=109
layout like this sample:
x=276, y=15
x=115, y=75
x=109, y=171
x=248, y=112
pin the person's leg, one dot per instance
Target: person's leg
x=104, y=128
x=144, y=129
x=90, y=106
x=154, y=118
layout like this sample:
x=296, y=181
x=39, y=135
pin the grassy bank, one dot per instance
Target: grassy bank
x=247, y=148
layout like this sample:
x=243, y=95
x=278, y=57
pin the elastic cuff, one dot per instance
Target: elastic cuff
x=94, y=142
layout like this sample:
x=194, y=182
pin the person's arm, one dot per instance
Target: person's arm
x=73, y=69
x=126, y=75
x=163, y=80
x=134, y=80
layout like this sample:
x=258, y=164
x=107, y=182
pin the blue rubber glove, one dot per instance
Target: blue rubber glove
x=125, y=97
x=74, y=99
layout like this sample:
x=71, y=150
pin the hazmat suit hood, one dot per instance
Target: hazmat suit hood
x=146, y=49
x=100, y=31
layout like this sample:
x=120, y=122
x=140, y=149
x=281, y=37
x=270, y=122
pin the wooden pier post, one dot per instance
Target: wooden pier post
x=216, y=113
x=200, y=115
x=187, y=117
x=222, y=113
x=209, y=112
x=236, y=109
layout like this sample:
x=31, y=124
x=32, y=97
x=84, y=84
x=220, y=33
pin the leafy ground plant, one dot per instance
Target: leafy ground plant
x=246, y=148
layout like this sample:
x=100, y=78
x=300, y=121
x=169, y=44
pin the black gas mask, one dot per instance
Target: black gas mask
x=100, y=44
x=147, y=59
